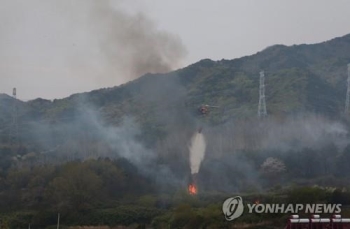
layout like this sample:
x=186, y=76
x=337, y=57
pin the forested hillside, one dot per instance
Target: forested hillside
x=129, y=144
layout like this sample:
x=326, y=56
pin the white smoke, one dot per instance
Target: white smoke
x=197, y=151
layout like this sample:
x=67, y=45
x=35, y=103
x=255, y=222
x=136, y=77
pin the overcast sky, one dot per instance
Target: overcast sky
x=54, y=48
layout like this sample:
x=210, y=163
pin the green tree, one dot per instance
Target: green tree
x=76, y=188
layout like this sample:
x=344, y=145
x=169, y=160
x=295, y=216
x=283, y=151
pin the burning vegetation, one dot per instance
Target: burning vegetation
x=192, y=189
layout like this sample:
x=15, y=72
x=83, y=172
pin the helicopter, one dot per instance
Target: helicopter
x=205, y=109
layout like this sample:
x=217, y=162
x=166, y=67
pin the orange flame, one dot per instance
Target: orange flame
x=192, y=189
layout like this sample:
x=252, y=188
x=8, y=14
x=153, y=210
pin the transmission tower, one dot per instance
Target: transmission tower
x=14, y=124
x=262, y=103
x=347, y=101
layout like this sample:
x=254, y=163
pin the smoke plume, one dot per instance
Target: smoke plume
x=88, y=43
x=197, y=151
x=132, y=44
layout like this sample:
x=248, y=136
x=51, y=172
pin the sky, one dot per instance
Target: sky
x=54, y=48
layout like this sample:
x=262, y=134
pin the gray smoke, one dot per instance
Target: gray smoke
x=299, y=132
x=89, y=44
x=87, y=135
x=237, y=150
x=132, y=44
x=293, y=133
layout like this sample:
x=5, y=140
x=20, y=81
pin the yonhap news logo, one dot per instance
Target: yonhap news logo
x=233, y=208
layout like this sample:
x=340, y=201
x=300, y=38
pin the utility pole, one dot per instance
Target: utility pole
x=347, y=100
x=58, y=221
x=262, y=103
